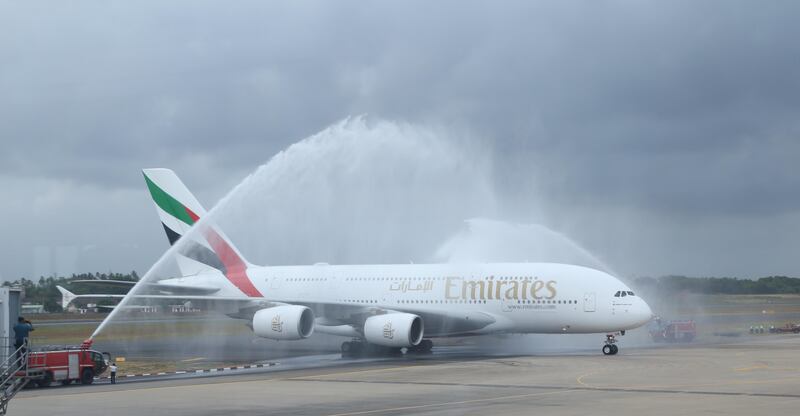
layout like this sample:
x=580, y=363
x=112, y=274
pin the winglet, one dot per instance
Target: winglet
x=66, y=297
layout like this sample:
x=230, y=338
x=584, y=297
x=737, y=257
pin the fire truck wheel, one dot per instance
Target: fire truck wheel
x=87, y=376
x=46, y=380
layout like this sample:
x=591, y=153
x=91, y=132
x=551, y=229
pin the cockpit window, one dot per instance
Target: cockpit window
x=630, y=293
x=623, y=293
x=616, y=295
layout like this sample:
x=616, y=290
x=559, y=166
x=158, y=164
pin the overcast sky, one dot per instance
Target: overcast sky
x=662, y=136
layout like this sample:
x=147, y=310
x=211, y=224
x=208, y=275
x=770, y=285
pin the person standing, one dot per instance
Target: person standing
x=22, y=330
x=113, y=369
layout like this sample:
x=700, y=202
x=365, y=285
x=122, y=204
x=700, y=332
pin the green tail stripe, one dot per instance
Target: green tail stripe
x=169, y=204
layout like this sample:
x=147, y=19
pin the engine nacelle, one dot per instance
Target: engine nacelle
x=286, y=322
x=394, y=330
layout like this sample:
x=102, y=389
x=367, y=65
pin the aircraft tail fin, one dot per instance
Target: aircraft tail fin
x=208, y=249
x=66, y=297
x=177, y=208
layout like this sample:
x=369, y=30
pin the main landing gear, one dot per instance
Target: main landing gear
x=610, y=348
x=424, y=347
x=359, y=348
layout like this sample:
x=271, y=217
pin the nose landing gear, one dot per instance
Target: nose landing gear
x=610, y=347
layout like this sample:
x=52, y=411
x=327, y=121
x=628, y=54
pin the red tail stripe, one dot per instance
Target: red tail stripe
x=234, y=265
x=191, y=213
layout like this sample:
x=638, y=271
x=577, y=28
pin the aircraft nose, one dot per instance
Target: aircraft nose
x=644, y=313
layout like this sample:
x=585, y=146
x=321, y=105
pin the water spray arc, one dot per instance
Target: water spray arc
x=362, y=193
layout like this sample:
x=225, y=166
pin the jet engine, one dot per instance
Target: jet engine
x=394, y=330
x=288, y=322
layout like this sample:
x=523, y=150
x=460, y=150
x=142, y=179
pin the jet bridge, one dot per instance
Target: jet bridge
x=9, y=312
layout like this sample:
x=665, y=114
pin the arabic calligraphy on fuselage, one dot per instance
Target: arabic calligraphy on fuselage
x=456, y=288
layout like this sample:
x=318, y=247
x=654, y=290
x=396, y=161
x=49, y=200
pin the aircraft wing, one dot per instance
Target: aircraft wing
x=189, y=293
x=67, y=297
x=162, y=288
x=437, y=322
x=100, y=282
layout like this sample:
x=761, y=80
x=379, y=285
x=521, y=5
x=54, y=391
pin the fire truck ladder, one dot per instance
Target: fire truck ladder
x=15, y=375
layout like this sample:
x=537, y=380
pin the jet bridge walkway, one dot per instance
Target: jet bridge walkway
x=15, y=374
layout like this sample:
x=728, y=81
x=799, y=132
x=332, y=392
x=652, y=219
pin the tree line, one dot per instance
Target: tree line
x=771, y=285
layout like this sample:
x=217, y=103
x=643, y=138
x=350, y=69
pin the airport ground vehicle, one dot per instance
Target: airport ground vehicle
x=673, y=331
x=66, y=364
x=789, y=328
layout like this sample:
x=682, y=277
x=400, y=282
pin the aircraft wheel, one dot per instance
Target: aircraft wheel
x=46, y=380
x=614, y=350
x=607, y=350
x=426, y=345
x=87, y=376
x=353, y=348
x=349, y=349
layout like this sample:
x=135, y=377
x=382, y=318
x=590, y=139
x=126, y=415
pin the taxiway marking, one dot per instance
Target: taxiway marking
x=423, y=406
x=659, y=387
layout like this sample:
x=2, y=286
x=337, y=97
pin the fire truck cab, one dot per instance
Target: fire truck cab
x=67, y=364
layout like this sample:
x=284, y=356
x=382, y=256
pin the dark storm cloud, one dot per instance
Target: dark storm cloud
x=671, y=112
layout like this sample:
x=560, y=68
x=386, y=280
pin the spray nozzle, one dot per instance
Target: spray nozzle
x=87, y=343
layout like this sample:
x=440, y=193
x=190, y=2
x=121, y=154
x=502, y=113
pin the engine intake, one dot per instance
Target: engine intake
x=394, y=330
x=288, y=322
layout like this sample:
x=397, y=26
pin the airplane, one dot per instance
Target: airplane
x=382, y=307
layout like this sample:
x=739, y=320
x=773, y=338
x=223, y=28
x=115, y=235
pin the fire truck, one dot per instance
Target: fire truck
x=673, y=331
x=66, y=364
x=786, y=329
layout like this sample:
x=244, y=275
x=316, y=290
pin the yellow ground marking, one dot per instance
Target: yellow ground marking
x=580, y=381
x=752, y=367
x=107, y=392
x=768, y=368
x=423, y=406
x=345, y=373
x=72, y=392
x=381, y=370
x=193, y=359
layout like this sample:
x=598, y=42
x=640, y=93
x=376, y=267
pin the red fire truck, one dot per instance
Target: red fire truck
x=786, y=329
x=673, y=331
x=66, y=364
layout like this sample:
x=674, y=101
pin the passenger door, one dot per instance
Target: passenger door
x=589, y=302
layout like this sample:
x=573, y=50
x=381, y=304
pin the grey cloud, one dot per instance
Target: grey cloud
x=674, y=111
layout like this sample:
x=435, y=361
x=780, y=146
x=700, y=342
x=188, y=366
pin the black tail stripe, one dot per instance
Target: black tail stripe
x=203, y=254
x=196, y=251
x=172, y=236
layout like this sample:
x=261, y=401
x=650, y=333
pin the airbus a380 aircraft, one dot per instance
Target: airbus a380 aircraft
x=383, y=307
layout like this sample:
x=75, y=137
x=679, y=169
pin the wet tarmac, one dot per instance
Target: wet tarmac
x=750, y=374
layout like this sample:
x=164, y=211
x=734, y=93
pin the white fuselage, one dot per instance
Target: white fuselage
x=496, y=297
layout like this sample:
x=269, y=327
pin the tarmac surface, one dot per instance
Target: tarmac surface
x=742, y=376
